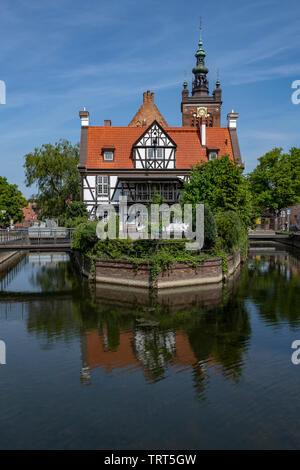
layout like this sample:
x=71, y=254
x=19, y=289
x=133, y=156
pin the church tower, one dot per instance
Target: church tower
x=201, y=103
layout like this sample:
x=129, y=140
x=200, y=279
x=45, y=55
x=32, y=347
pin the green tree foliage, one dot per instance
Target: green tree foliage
x=210, y=228
x=85, y=237
x=53, y=170
x=11, y=201
x=221, y=185
x=76, y=214
x=275, y=182
x=232, y=233
x=76, y=209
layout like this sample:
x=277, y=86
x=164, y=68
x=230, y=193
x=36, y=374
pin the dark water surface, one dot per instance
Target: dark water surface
x=203, y=368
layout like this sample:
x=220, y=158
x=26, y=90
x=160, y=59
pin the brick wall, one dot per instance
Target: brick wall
x=125, y=273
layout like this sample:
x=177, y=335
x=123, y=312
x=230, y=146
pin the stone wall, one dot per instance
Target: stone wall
x=125, y=273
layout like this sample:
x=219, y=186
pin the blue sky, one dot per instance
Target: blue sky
x=58, y=56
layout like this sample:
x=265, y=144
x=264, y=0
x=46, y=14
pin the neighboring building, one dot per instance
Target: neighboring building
x=281, y=220
x=148, y=156
x=294, y=217
x=30, y=215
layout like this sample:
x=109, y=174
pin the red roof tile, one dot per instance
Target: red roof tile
x=189, y=149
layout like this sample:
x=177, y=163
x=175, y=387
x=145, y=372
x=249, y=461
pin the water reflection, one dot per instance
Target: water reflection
x=274, y=285
x=203, y=330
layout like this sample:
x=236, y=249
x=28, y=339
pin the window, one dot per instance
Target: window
x=150, y=154
x=159, y=153
x=155, y=153
x=212, y=155
x=103, y=185
x=108, y=155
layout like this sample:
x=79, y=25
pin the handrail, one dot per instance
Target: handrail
x=36, y=235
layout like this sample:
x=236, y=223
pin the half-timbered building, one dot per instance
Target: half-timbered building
x=148, y=156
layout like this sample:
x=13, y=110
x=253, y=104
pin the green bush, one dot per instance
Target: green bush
x=73, y=223
x=114, y=249
x=232, y=234
x=84, y=237
x=76, y=209
x=210, y=228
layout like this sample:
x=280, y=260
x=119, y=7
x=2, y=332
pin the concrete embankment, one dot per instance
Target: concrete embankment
x=8, y=258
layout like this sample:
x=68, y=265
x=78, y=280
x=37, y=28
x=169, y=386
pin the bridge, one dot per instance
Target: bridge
x=266, y=235
x=36, y=239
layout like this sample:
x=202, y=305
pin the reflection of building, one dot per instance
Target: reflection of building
x=148, y=349
x=149, y=157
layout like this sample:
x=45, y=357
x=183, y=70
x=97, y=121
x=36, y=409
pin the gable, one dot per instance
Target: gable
x=155, y=136
x=147, y=113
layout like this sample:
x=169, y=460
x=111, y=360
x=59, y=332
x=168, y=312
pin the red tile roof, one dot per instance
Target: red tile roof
x=189, y=149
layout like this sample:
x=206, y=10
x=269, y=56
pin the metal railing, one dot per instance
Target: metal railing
x=36, y=236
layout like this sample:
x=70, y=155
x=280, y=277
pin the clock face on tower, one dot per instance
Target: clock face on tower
x=202, y=111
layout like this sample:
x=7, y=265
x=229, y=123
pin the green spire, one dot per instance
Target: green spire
x=200, y=56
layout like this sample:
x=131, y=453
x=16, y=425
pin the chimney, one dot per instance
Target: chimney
x=147, y=96
x=203, y=131
x=231, y=118
x=84, y=117
x=107, y=123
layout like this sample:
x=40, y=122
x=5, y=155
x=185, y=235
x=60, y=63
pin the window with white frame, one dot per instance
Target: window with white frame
x=108, y=155
x=103, y=185
x=212, y=155
x=159, y=153
x=150, y=153
x=155, y=153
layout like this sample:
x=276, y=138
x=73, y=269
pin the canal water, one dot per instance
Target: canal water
x=110, y=368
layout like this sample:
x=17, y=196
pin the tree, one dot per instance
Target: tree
x=275, y=182
x=53, y=169
x=220, y=184
x=11, y=201
x=76, y=209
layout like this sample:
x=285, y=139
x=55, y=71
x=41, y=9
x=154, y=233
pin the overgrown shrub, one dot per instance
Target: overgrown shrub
x=84, y=237
x=232, y=234
x=210, y=228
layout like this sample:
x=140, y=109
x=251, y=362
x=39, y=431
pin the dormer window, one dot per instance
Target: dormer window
x=108, y=154
x=212, y=154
